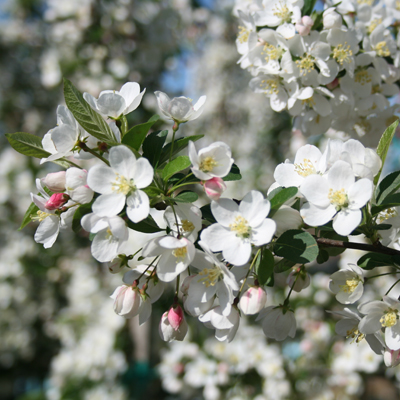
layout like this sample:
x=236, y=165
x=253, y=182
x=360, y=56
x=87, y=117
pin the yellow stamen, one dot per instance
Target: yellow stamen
x=386, y=214
x=338, y=198
x=308, y=102
x=272, y=52
x=342, y=53
x=389, y=318
x=362, y=77
x=187, y=226
x=382, y=49
x=122, y=185
x=282, y=11
x=243, y=35
x=41, y=215
x=208, y=164
x=374, y=23
x=350, y=285
x=305, y=168
x=241, y=227
x=270, y=86
x=355, y=334
x=211, y=276
x=306, y=64
x=180, y=252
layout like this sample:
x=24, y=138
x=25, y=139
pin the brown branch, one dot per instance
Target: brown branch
x=358, y=246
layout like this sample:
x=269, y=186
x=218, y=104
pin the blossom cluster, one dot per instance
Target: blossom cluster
x=335, y=68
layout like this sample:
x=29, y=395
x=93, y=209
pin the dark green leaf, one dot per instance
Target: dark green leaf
x=183, y=178
x=207, y=214
x=393, y=200
x=32, y=210
x=27, y=144
x=323, y=256
x=283, y=265
x=308, y=7
x=92, y=122
x=152, y=191
x=136, y=135
x=148, y=225
x=186, y=197
x=80, y=212
x=234, y=174
x=387, y=187
x=383, y=146
x=297, y=246
x=265, y=267
x=372, y=260
x=179, y=145
x=279, y=197
x=178, y=164
x=152, y=146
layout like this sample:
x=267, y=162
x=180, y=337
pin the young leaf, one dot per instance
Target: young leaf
x=234, y=174
x=265, y=268
x=186, y=197
x=27, y=144
x=297, y=246
x=179, y=145
x=387, y=186
x=148, y=225
x=393, y=200
x=283, y=265
x=383, y=146
x=32, y=210
x=280, y=196
x=152, y=146
x=92, y=122
x=136, y=135
x=178, y=164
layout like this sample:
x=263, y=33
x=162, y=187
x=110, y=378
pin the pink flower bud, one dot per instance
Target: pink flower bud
x=391, y=357
x=175, y=316
x=168, y=333
x=333, y=84
x=55, y=181
x=214, y=187
x=253, y=300
x=304, y=25
x=56, y=201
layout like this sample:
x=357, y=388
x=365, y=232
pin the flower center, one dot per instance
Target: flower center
x=350, y=285
x=374, y=23
x=362, y=77
x=272, y=52
x=187, y=226
x=306, y=64
x=308, y=102
x=180, y=252
x=243, y=35
x=41, y=215
x=208, y=164
x=122, y=185
x=305, y=168
x=241, y=227
x=355, y=334
x=389, y=318
x=369, y=2
x=342, y=53
x=338, y=198
x=282, y=11
x=386, y=214
x=211, y=276
x=397, y=6
x=382, y=49
x=270, y=86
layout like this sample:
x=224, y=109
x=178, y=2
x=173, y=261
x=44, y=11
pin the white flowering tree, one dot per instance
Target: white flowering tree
x=334, y=70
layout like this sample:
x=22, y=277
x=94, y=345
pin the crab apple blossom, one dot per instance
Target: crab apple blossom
x=179, y=109
x=175, y=255
x=112, y=103
x=331, y=19
x=120, y=183
x=382, y=314
x=126, y=301
x=338, y=196
x=253, y=300
x=347, y=284
x=239, y=226
x=278, y=322
x=176, y=330
x=298, y=279
x=76, y=185
x=212, y=161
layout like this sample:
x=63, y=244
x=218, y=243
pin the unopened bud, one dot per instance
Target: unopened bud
x=391, y=357
x=253, y=300
x=304, y=25
x=175, y=316
x=167, y=331
x=55, y=181
x=214, y=188
x=299, y=278
x=56, y=201
x=331, y=19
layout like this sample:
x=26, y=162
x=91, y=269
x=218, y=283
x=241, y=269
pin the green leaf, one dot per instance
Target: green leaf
x=388, y=186
x=333, y=251
x=92, y=122
x=283, y=265
x=234, y=174
x=183, y=178
x=323, y=256
x=186, y=197
x=207, y=214
x=27, y=144
x=179, y=145
x=148, y=225
x=178, y=164
x=297, y=246
x=136, y=135
x=152, y=191
x=390, y=201
x=265, y=267
x=152, y=146
x=372, y=260
x=383, y=146
x=32, y=210
x=80, y=212
x=308, y=7
x=280, y=196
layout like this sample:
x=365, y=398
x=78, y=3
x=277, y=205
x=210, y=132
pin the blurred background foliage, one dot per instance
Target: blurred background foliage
x=60, y=338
